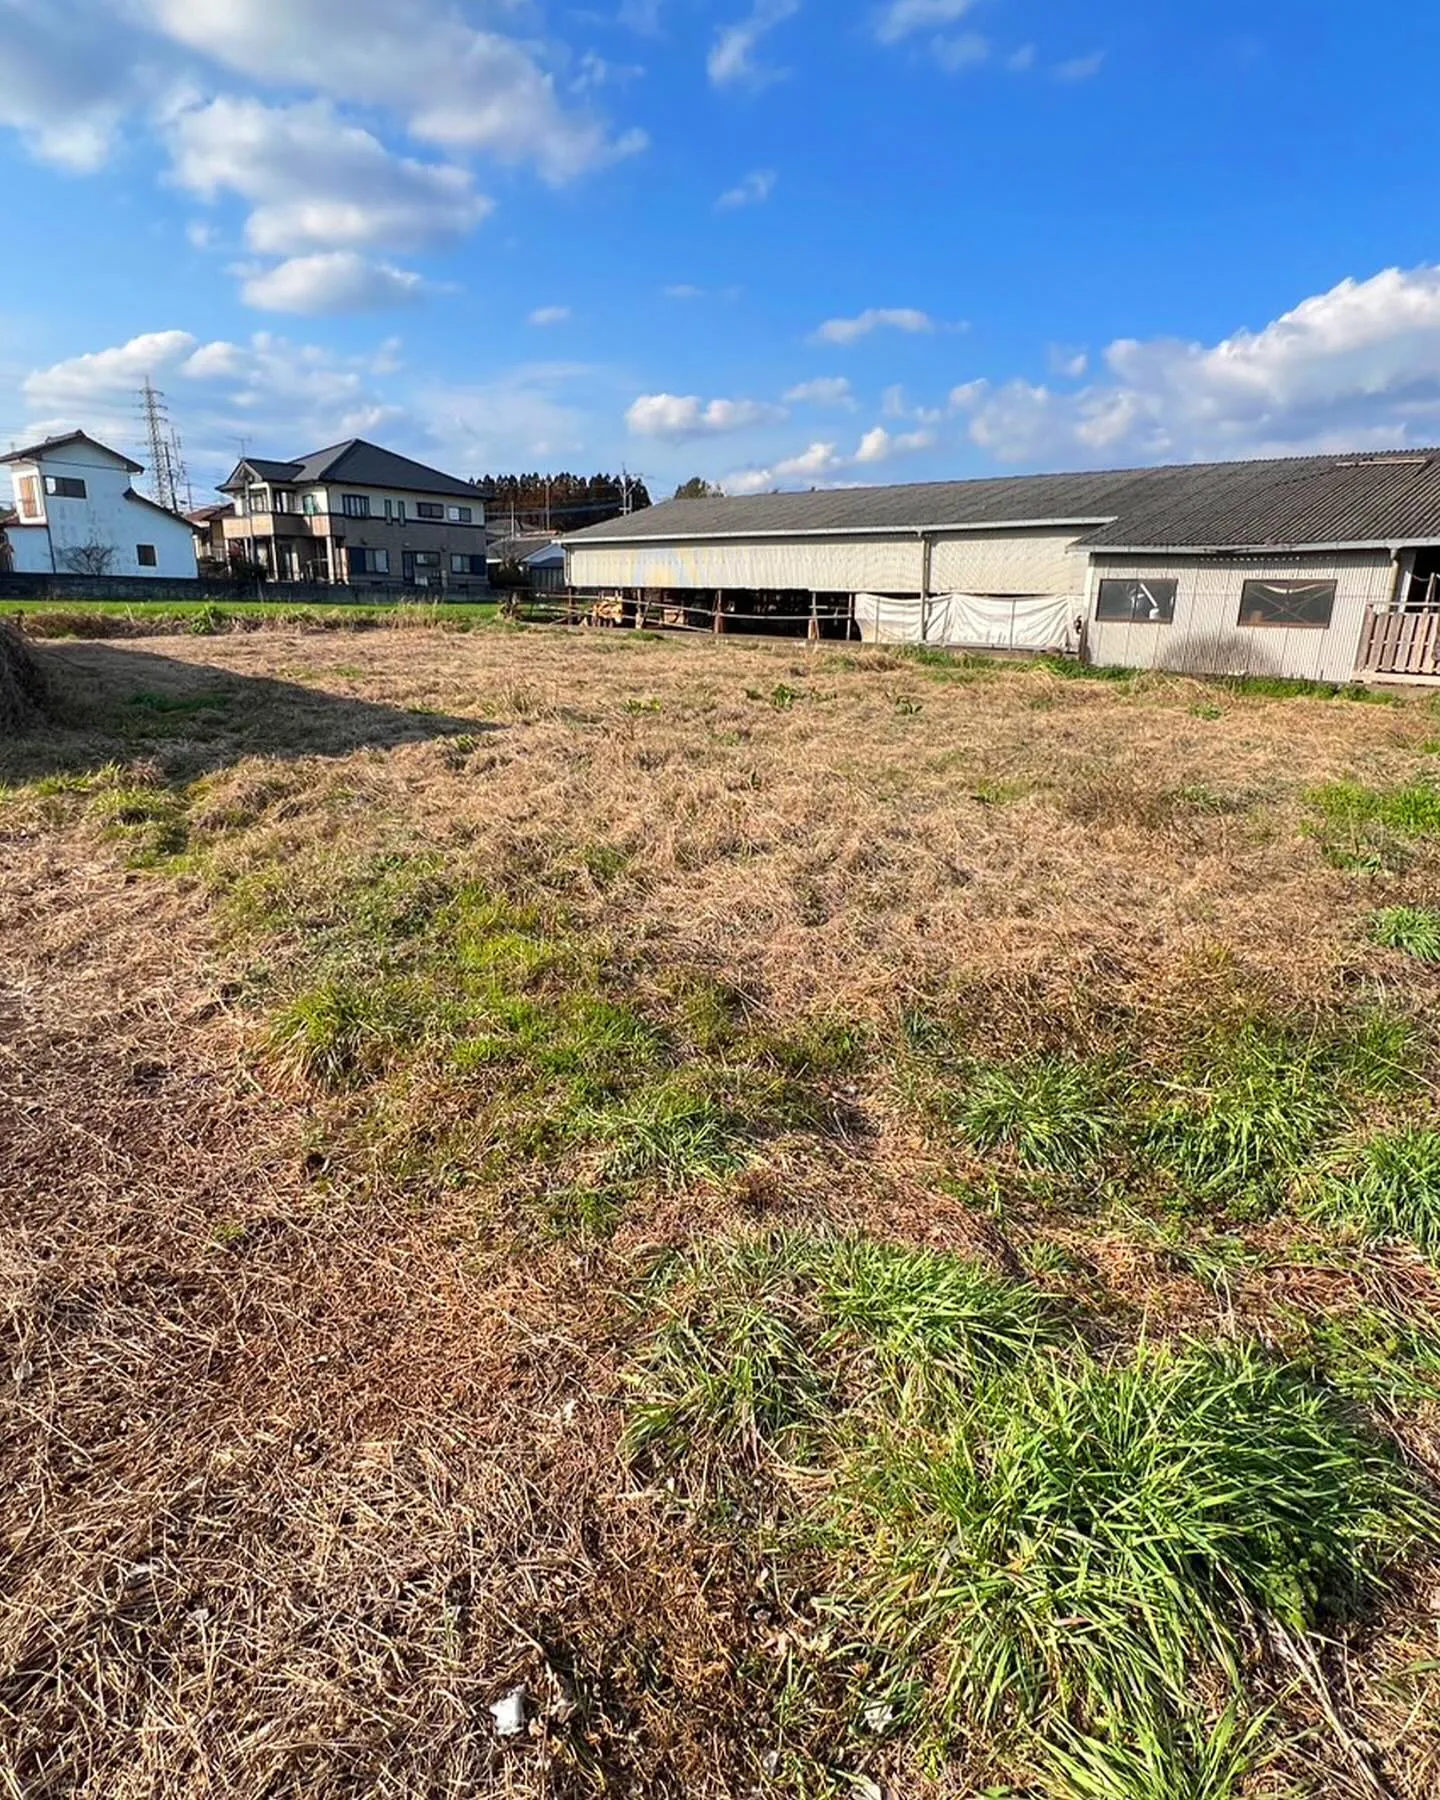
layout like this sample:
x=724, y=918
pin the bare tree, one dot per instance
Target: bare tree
x=89, y=559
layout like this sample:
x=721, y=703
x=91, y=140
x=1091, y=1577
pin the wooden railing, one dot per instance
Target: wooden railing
x=1402, y=642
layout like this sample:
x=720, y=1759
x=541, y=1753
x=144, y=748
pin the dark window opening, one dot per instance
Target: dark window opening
x=355, y=506
x=67, y=487
x=1136, y=602
x=1307, y=604
x=145, y=555
x=427, y=509
x=1423, y=588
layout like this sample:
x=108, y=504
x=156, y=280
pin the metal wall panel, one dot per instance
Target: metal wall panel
x=1205, y=638
x=819, y=565
x=1009, y=562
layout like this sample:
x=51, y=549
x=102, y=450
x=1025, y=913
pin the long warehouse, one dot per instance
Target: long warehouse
x=1317, y=567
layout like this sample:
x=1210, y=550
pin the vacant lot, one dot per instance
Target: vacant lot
x=852, y=1224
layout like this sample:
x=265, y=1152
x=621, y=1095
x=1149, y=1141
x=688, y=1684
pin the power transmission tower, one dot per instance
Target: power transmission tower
x=167, y=471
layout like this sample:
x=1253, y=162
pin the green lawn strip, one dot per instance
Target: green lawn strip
x=50, y=618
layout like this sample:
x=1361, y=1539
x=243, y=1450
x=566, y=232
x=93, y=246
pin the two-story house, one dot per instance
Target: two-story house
x=359, y=516
x=77, y=514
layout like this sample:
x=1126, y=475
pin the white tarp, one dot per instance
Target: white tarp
x=972, y=621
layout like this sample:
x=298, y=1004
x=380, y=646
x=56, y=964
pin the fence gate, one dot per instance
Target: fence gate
x=1403, y=642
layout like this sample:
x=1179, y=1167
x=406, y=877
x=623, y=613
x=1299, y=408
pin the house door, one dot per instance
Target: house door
x=407, y=567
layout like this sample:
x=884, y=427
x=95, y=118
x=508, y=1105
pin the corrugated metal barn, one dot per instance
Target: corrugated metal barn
x=1313, y=567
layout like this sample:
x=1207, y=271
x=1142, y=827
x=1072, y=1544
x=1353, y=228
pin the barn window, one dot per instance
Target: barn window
x=67, y=487
x=1136, y=602
x=1308, y=604
x=145, y=555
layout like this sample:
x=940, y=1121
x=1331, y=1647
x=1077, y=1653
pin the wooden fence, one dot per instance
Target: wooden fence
x=1402, y=643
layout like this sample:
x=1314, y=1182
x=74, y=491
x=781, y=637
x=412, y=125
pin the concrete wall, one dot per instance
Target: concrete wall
x=1205, y=638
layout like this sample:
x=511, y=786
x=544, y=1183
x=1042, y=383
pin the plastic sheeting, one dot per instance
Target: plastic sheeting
x=972, y=621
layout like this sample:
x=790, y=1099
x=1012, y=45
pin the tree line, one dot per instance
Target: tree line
x=563, y=502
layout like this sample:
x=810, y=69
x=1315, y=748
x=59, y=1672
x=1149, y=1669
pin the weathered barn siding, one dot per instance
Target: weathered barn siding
x=1204, y=637
x=1009, y=562
x=819, y=565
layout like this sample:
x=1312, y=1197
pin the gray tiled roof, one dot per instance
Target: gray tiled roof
x=1371, y=498
x=366, y=464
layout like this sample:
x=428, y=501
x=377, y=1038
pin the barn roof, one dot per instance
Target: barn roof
x=1373, y=498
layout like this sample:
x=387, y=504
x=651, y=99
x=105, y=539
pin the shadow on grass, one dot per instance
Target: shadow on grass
x=113, y=705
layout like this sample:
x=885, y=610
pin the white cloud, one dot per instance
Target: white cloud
x=825, y=390
x=895, y=318
x=1356, y=367
x=550, y=315
x=732, y=62
x=1081, y=68
x=684, y=290
x=62, y=85
x=902, y=18
x=1021, y=61
x=285, y=398
x=315, y=182
x=821, y=463
x=681, y=416
x=452, y=83
x=956, y=54
x=331, y=281
x=1068, y=360
x=754, y=190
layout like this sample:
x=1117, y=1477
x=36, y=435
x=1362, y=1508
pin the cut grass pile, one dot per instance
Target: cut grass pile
x=1022, y=1536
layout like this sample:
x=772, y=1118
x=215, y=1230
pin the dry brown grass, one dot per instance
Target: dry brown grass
x=303, y=1468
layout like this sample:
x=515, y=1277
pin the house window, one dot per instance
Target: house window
x=30, y=497
x=467, y=565
x=400, y=512
x=1307, y=604
x=259, y=500
x=310, y=505
x=145, y=555
x=427, y=559
x=460, y=515
x=65, y=486
x=284, y=503
x=355, y=506
x=428, y=509
x=369, y=562
x=1136, y=602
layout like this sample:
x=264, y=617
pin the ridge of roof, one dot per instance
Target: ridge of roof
x=31, y=451
x=1271, y=502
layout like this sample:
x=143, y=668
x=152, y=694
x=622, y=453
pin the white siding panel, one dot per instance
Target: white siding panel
x=1009, y=562
x=1205, y=639
x=819, y=565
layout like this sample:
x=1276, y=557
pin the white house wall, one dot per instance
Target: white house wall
x=109, y=516
x=1204, y=637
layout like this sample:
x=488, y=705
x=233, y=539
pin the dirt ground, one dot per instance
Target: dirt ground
x=307, y=1462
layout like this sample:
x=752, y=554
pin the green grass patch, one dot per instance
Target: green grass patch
x=1053, y=1114
x=137, y=618
x=766, y=1343
x=1413, y=929
x=1388, y=1188
x=1365, y=830
x=1091, y=1539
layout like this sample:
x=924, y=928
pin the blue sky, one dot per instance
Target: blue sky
x=774, y=242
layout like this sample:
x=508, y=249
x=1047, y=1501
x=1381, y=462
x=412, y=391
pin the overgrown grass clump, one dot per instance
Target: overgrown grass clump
x=1037, y=1548
x=1365, y=829
x=1389, y=1188
x=1091, y=1536
x=1413, y=929
x=765, y=1341
x=1051, y=1113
